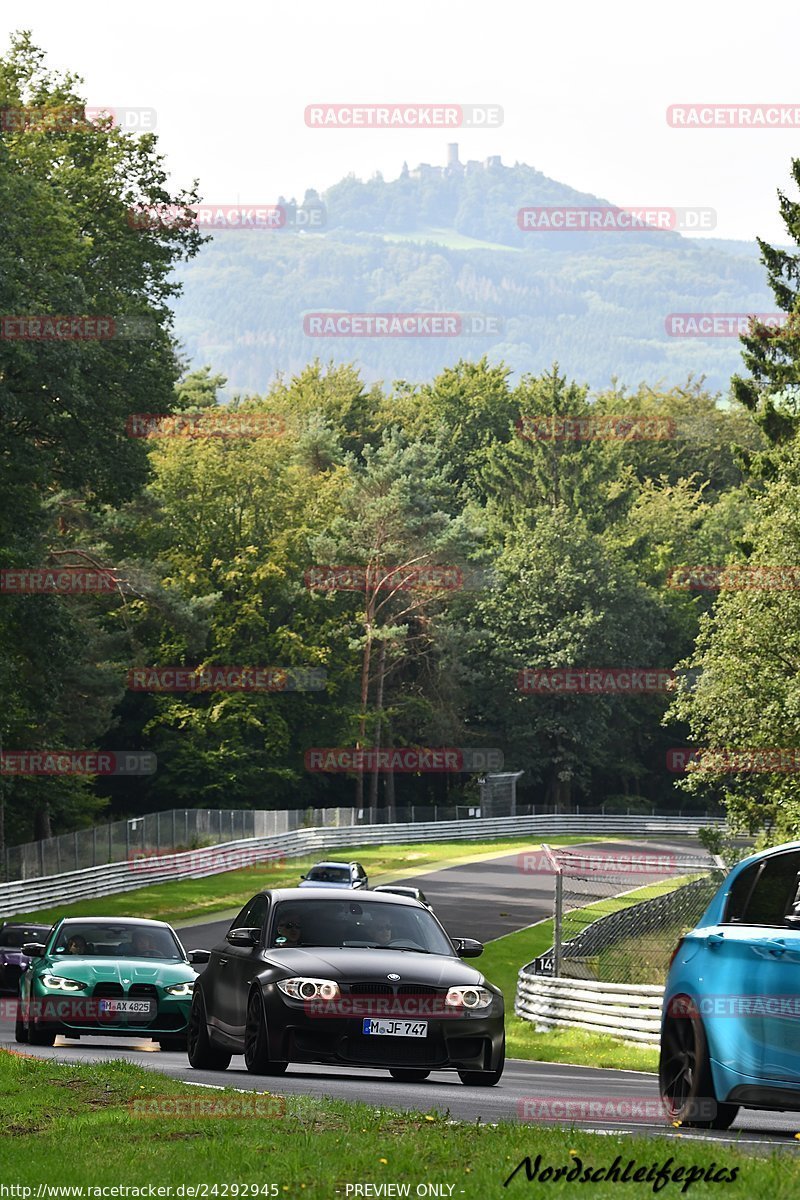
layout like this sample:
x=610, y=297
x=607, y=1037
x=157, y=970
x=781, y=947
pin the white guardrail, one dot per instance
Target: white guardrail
x=31, y=895
x=628, y=1010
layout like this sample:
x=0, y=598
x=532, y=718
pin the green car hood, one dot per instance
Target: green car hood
x=93, y=969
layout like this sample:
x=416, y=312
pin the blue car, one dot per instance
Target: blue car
x=730, y=1030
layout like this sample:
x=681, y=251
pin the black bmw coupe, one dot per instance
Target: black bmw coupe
x=366, y=980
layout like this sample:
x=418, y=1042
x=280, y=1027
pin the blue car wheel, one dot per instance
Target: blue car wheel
x=684, y=1074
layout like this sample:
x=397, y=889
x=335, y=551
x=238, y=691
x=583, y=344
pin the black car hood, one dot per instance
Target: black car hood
x=356, y=964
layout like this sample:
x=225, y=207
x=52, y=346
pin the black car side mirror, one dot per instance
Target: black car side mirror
x=304, y=877
x=33, y=949
x=244, y=936
x=468, y=947
x=199, y=956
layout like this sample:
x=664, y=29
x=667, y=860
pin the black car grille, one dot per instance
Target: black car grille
x=380, y=988
x=107, y=990
x=400, y=1052
x=145, y=990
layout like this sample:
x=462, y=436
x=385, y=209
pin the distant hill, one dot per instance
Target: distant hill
x=448, y=240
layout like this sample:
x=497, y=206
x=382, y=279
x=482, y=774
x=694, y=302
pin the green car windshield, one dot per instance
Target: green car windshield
x=107, y=940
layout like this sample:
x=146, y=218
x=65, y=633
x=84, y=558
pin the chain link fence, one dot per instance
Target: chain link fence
x=617, y=915
x=193, y=828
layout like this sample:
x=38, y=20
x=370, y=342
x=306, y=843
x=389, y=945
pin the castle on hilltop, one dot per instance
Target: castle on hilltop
x=452, y=167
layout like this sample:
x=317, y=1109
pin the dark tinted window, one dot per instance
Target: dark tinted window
x=330, y=874
x=258, y=912
x=253, y=914
x=766, y=892
x=14, y=937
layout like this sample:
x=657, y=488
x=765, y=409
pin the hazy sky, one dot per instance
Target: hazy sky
x=584, y=88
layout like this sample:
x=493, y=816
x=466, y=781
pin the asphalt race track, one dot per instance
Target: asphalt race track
x=483, y=900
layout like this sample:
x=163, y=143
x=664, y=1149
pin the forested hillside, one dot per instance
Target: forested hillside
x=597, y=302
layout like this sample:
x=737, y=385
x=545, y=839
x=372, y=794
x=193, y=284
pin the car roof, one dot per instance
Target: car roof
x=24, y=925
x=307, y=895
x=132, y=921
x=329, y=862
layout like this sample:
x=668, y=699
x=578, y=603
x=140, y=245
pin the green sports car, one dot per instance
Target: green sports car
x=106, y=975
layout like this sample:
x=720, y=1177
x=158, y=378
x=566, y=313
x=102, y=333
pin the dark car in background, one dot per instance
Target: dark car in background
x=12, y=961
x=365, y=980
x=335, y=874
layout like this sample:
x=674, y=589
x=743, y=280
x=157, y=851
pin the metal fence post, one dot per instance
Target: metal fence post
x=557, y=916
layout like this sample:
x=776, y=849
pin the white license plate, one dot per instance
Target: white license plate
x=139, y=1008
x=394, y=1028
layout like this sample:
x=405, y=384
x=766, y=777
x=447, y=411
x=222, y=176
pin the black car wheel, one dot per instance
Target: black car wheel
x=485, y=1078
x=256, y=1042
x=20, y=1028
x=202, y=1055
x=408, y=1074
x=172, y=1043
x=684, y=1075
x=40, y=1035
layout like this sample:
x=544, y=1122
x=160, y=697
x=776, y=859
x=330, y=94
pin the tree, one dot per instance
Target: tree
x=69, y=248
x=772, y=353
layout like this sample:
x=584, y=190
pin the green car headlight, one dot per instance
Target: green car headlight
x=181, y=989
x=59, y=983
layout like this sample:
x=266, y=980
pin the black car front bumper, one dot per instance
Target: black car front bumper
x=470, y=1041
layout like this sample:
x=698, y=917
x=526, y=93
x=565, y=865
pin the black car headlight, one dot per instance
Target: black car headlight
x=301, y=987
x=181, y=990
x=60, y=983
x=468, y=997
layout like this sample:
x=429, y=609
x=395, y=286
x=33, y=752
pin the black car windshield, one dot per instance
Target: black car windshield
x=356, y=923
x=329, y=874
x=106, y=940
x=16, y=938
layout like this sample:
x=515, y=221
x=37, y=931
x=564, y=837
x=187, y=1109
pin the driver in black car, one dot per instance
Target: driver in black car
x=382, y=930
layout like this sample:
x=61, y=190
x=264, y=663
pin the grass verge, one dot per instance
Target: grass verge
x=501, y=962
x=101, y=1125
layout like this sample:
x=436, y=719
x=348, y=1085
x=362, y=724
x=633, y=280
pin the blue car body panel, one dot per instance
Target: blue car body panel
x=744, y=980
